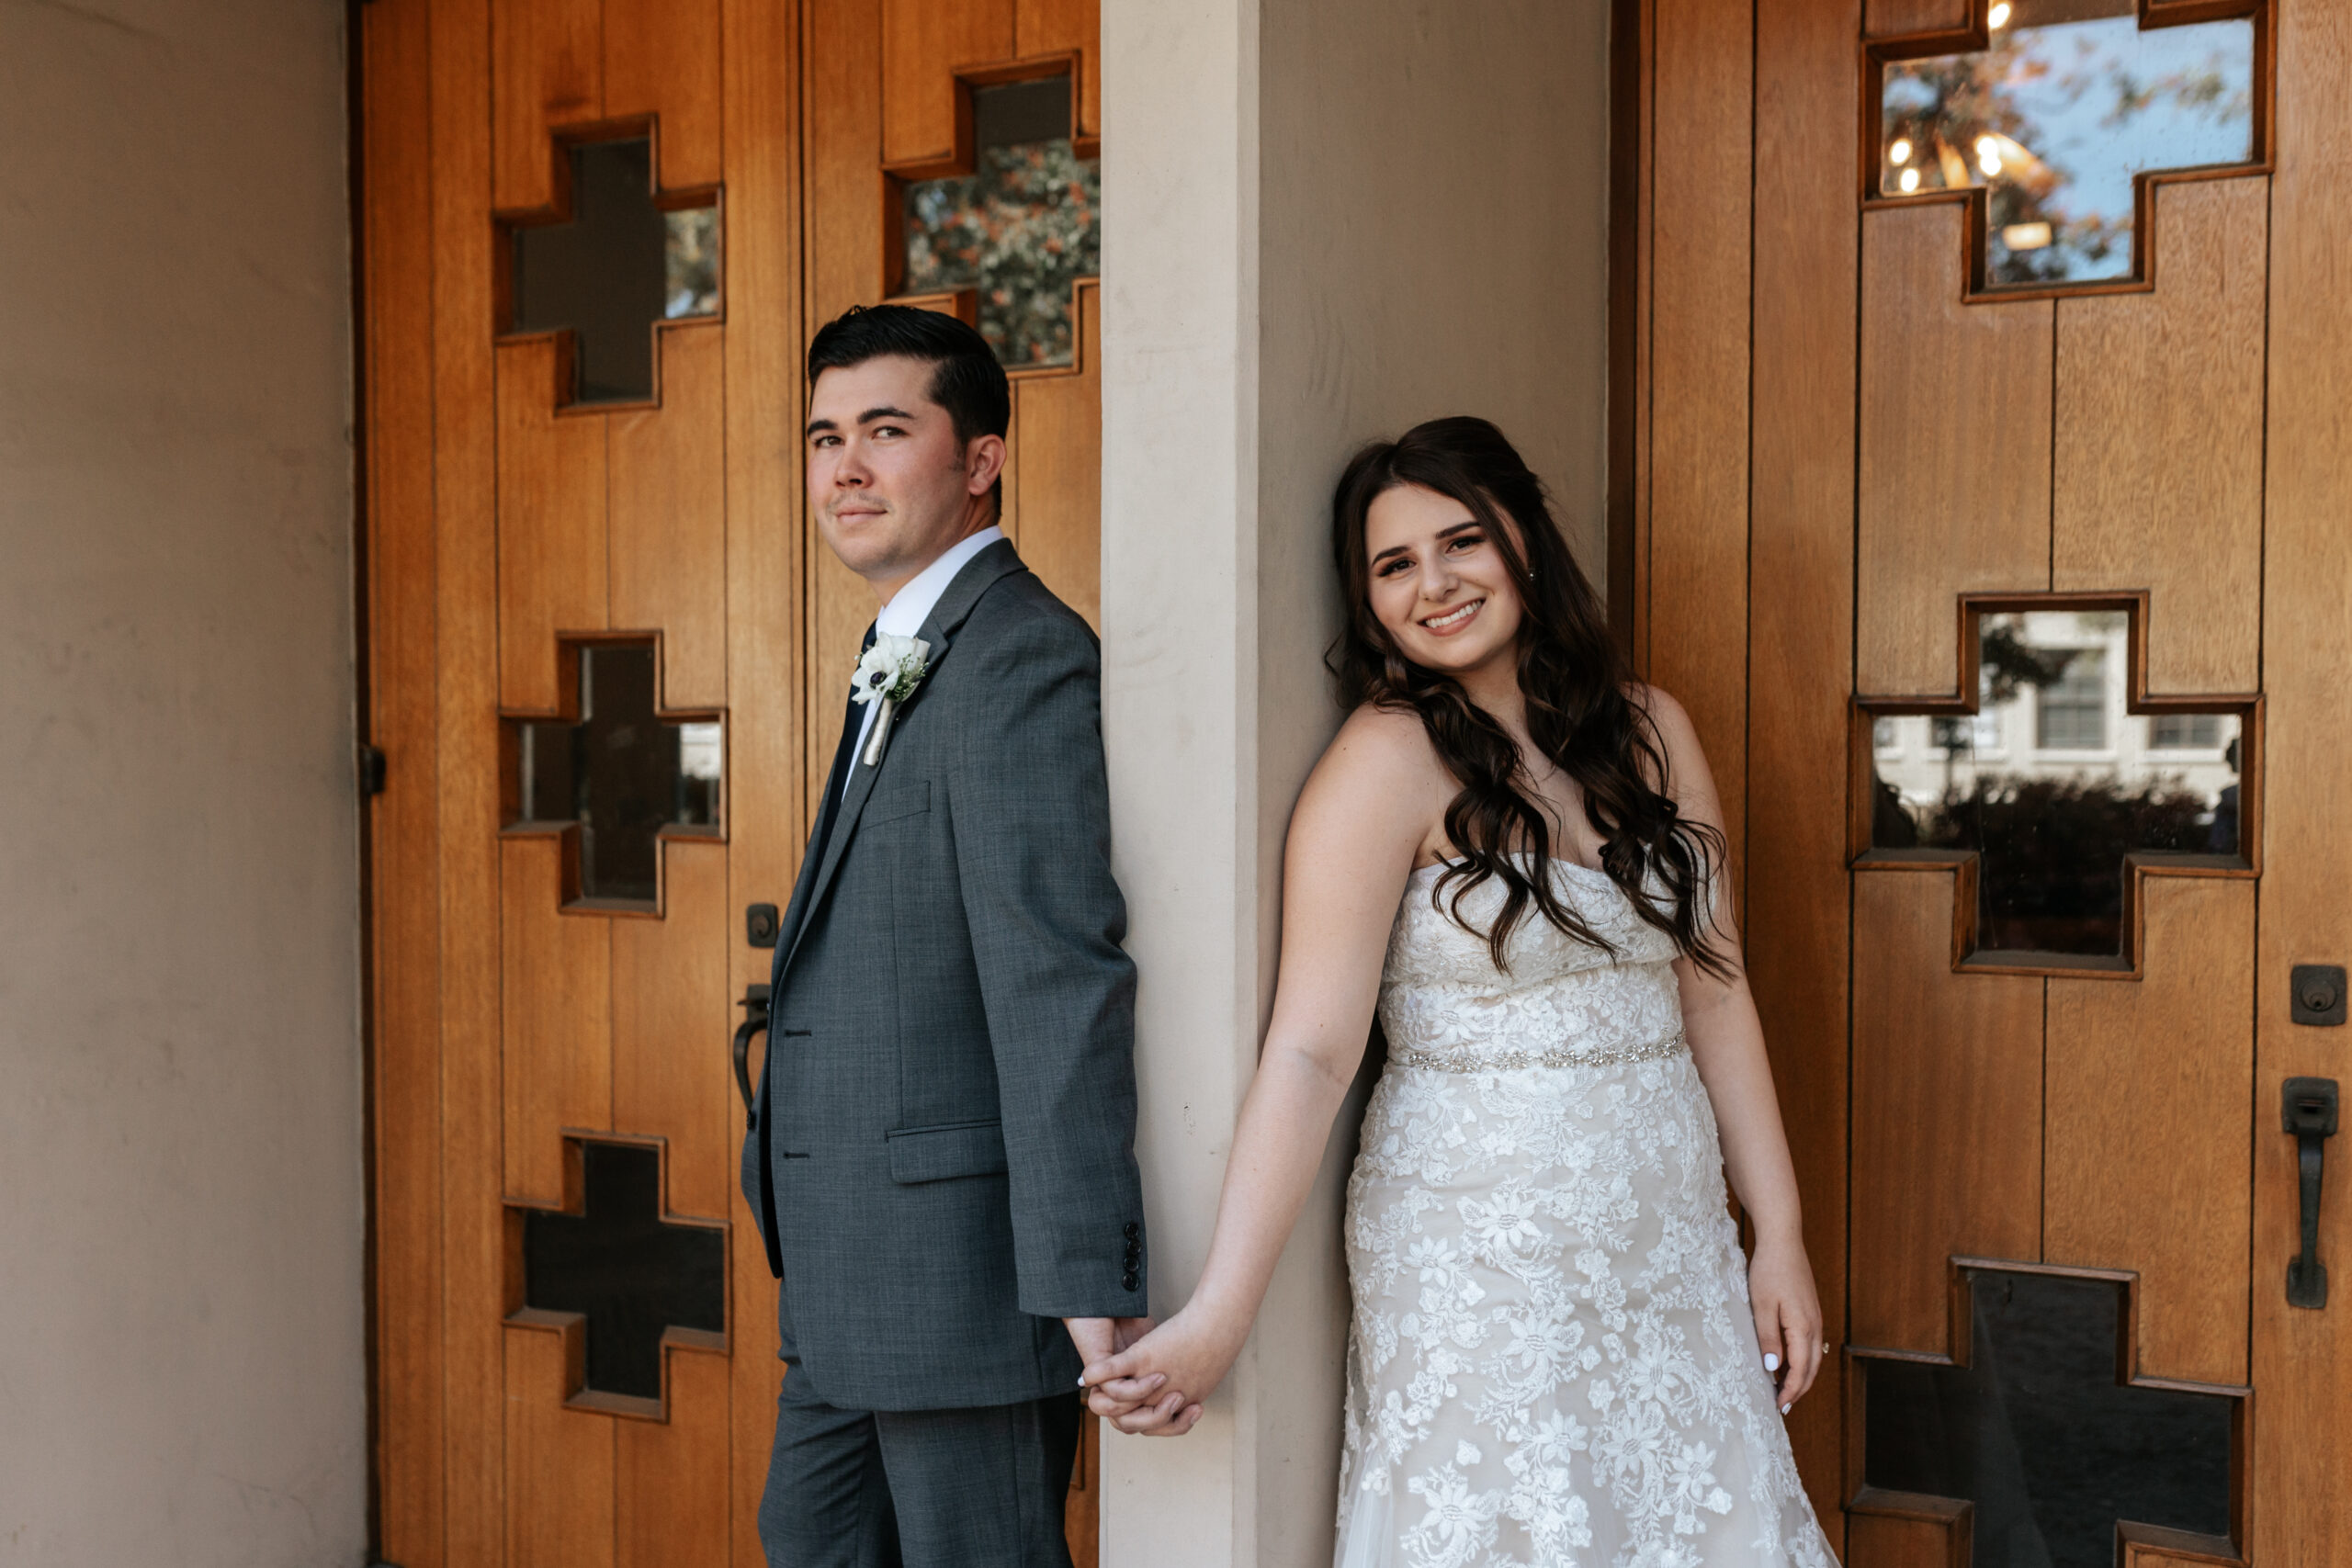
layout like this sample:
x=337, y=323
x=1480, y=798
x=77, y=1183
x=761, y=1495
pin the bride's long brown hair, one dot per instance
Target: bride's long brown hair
x=1578, y=714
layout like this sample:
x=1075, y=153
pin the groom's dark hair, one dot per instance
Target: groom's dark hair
x=965, y=378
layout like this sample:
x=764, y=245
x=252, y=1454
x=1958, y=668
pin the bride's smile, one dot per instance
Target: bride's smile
x=1451, y=621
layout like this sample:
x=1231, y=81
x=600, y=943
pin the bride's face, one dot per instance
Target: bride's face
x=1438, y=584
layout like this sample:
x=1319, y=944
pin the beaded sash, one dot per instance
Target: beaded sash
x=1559, y=1057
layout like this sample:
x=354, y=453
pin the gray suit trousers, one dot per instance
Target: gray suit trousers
x=981, y=1487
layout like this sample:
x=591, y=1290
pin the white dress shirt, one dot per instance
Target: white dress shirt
x=911, y=607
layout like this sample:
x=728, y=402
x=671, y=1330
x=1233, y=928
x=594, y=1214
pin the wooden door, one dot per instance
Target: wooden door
x=1991, y=358
x=602, y=660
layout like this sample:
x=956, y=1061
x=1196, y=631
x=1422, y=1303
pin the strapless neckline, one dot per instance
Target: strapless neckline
x=1522, y=855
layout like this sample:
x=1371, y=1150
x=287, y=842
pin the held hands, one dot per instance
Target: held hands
x=1155, y=1386
x=1788, y=1316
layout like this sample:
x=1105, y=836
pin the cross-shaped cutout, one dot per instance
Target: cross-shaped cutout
x=621, y=1280
x=2037, y=1437
x=2056, y=783
x=2054, y=115
x=614, y=774
x=1003, y=242
x=615, y=260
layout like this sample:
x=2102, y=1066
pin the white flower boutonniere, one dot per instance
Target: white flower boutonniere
x=888, y=674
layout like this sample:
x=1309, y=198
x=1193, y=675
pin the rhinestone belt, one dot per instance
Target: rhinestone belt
x=1559, y=1056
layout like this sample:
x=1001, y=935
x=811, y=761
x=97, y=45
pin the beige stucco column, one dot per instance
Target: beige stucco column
x=1324, y=221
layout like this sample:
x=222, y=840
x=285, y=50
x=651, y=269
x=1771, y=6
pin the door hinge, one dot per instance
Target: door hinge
x=371, y=771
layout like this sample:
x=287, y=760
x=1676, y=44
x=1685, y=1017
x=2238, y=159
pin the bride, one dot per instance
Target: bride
x=1514, y=853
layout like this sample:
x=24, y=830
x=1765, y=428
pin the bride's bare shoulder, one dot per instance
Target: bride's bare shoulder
x=1369, y=806
x=1688, y=780
x=1387, y=746
x=1381, y=762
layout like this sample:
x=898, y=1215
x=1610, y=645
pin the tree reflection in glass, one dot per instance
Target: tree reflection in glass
x=2052, y=783
x=1018, y=231
x=2073, y=100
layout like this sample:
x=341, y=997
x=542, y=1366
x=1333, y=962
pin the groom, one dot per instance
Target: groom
x=941, y=1156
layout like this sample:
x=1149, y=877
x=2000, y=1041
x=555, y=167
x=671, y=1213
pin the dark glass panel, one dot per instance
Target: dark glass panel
x=2037, y=1432
x=629, y=1273
x=2072, y=100
x=1020, y=230
x=622, y=774
x=2052, y=783
x=617, y=268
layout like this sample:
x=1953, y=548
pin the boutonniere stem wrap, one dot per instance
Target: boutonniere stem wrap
x=888, y=674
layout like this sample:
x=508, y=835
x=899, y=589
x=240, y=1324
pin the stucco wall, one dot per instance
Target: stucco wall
x=182, y=1351
x=1324, y=221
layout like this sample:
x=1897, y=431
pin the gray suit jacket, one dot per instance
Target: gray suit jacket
x=942, y=1152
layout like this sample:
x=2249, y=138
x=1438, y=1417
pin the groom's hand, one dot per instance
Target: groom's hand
x=1099, y=1339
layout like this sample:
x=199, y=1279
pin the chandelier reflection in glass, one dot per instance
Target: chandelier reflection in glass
x=2071, y=102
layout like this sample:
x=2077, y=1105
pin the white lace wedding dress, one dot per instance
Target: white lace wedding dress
x=1553, y=1360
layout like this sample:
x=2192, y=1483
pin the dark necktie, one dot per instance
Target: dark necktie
x=843, y=756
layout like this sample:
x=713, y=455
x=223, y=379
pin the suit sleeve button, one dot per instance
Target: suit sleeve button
x=1130, y=1280
x=1132, y=1231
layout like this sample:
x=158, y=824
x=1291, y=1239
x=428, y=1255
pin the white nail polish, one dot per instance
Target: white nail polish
x=1786, y=1408
x=1771, y=1363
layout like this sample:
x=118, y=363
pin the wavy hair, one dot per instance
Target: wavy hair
x=1578, y=714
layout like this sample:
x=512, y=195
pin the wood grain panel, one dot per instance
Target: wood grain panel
x=2159, y=438
x=2156, y=1557
x=1800, y=639
x=670, y=1477
x=765, y=539
x=671, y=1077
x=844, y=268
x=1955, y=467
x=465, y=481
x=2302, y=1359
x=669, y=517
x=1630, y=111
x=546, y=57
x=1947, y=1120
x=559, y=1462
x=1055, y=26
x=2144, y=1150
x=404, y=1024
x=924, y=43
x=1880, y=1541
x=1893, y=19
x=552, y=574
x=660, y=59
x=1700, y=282
x=557, y=1020
x=1056, y=498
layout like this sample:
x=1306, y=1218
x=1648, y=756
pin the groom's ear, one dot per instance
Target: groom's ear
x=984, y=458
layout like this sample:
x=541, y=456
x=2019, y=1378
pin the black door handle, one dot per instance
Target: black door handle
x=2308, y=1106
x=755, y=1022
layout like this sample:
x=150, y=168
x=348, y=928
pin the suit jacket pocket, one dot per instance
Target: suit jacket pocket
x=951, y=1149
x=889, y=804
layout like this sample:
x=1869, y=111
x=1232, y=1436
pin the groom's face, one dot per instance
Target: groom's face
x=889, y=485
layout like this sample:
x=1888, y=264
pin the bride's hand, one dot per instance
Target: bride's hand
x=1177, y=1366
x=1788, y=1316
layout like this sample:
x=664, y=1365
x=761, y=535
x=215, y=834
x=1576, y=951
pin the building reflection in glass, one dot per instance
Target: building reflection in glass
x=2052, y=783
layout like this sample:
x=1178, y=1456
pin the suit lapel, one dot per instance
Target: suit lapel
x=946, y=618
